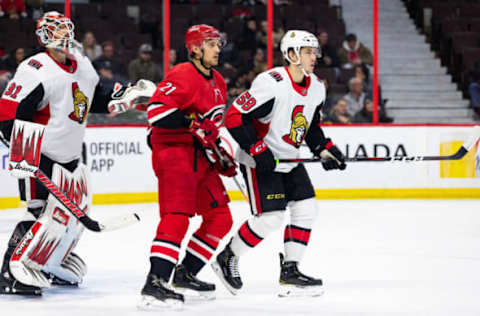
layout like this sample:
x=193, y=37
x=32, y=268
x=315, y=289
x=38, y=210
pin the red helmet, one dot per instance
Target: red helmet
x=197, y=34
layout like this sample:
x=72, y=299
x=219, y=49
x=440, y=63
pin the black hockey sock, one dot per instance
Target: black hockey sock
x=192, y=263
x=161, y=268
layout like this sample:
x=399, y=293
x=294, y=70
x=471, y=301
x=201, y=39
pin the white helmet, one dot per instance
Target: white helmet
x=295, y=40
x=48, y=28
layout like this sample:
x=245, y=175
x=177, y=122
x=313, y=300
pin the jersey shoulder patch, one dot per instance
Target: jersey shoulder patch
x=275, y=75
x=35, y=64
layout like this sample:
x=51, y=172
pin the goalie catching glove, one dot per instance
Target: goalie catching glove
x=332, y=156
x=127, y=97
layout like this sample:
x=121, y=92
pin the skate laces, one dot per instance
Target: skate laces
x=233, y=266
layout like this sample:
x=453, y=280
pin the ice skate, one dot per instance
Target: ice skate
x=294, y=283
x=8, y=285
x=190, y=286
x=226, y=267
x=156, y=293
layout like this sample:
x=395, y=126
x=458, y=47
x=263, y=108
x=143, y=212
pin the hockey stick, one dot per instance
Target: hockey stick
x=224, y=161
x=89, y=223
x=461, y=152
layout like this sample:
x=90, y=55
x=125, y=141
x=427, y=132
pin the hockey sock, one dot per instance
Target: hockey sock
x=215, y=225
x=166, y=245
x=297, y=233
x=254, y=230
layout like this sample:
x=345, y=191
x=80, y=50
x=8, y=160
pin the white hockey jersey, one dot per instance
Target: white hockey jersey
x=68, y=92
x=287, y=123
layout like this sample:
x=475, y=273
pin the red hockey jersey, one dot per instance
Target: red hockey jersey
x=184, y=91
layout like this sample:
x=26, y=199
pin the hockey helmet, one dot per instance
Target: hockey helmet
x=55, y=30
x=197, y=34
x=295, y=40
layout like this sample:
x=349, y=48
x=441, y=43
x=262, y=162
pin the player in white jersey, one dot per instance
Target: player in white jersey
x=270, y=121
x=43, y=113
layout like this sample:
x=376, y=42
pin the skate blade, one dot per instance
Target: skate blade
x=148, y=302
x=299, y=291
x=218, y=271
x=195, y=296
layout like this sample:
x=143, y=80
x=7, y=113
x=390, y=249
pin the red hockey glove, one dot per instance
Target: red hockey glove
x=264, y=160
x=225, y=164
x=204, y=130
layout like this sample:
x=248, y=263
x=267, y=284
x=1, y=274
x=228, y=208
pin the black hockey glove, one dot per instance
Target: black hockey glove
x=264, y=160
x=332, y=156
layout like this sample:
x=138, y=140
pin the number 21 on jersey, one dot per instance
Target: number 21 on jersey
x=167, y=88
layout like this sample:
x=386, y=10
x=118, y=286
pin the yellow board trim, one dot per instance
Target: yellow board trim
x=321, y=194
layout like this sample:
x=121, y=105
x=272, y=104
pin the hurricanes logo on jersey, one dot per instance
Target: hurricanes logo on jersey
x=298, y=129
x=80, y=105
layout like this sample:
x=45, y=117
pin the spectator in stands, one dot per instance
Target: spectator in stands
x=5, y=77
x=35, y=8
x=90, y=46
x=328, y=56
x=13, y=9
x=239, y=85
x=262, y=36
x=354, y=53
x=365, y=115
x=143, y=67
x=474, y=90
x=339, y=114
x=355, y=97
x=108, y=54
x=107, y=77
x=362, y=72
x=248, y=38
x=229, y=53
x=259, y=62
x=172, y=57
x=14, y=59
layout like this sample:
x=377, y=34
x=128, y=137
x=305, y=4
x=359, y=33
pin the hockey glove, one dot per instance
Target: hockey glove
x=128, y=97
x=264, y=160
x=332, y=156
x=225, y=164
x=204, y=130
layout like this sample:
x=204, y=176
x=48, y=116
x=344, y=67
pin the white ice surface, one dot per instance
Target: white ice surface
x=375, y=257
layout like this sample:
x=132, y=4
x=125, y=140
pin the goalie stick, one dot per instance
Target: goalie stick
x=89, y=223
x=461, y=152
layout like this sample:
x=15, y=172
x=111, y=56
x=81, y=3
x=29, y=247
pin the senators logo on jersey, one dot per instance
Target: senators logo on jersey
x=80, y=105
x=298, y=129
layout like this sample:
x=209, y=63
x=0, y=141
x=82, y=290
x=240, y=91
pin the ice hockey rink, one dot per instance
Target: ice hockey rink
x=376, y=257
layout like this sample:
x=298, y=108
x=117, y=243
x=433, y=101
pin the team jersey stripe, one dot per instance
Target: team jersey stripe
x=8, y=109
x=158, y=241
x=165, y=257
x=156, y=249
x=199, y=251
x=202, y=242
x=156, y=115
x=249, y=236
x=296, y=234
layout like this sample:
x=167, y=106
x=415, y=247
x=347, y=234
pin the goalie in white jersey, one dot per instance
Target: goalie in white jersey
x=43, y=114
x=270, y=121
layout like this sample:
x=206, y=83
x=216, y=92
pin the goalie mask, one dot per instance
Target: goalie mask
x=55, y=30
x=295, y=40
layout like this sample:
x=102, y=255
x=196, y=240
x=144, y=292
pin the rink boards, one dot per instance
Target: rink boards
x=120, y=165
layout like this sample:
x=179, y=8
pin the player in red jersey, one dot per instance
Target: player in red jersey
x=185, y=112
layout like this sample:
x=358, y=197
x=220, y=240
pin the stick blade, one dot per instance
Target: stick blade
x=119, y=222
x=473, y=138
